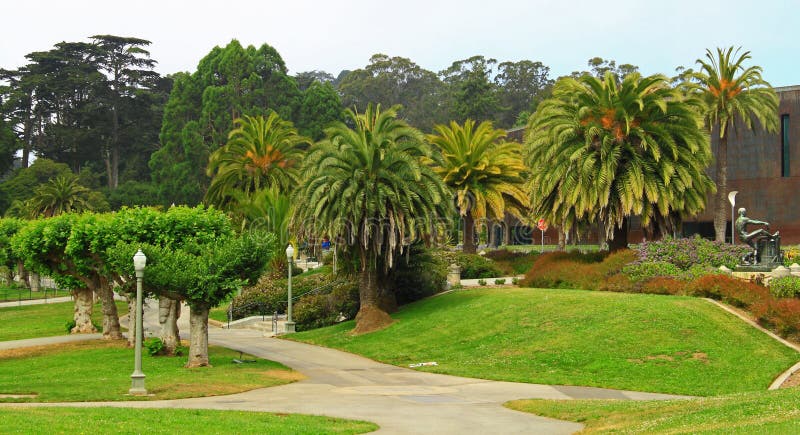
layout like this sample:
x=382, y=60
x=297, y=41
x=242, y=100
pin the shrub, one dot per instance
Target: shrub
x=576, y=270
x=791, y=255
x=472, y=265
x=687, y=252
x=785, y=287
x=154, y=346
x=318, y=310
x=482, y=282
x=782, y=315
x=270, y=294
x=663, y=286
x=728, y=289
x=512, y=262
x=500, y=281
x=419, y=275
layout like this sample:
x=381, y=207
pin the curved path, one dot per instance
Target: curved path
x=399, y=400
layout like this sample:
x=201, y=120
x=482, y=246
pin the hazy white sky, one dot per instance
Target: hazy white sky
x=343, y=34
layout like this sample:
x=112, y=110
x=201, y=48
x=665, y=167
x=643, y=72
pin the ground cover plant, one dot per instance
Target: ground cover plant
x=678, y=345
x=171, y=421
x=45, y=320
x=752, y=412
x=98, y=371
x=512, y=262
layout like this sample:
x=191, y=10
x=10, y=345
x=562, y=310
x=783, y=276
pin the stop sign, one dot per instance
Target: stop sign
x=542, y=225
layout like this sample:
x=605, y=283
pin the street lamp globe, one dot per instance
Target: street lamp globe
x=289, y=252
x=139, y=262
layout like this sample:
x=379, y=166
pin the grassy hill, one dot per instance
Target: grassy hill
x=666, y=344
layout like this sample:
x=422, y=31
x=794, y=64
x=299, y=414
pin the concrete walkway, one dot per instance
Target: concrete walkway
x=36, y=301
x=399, y=400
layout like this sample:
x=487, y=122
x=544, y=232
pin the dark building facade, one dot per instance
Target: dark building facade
x=765, y=169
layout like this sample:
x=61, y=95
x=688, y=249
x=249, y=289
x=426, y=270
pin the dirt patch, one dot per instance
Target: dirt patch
x=26, y=352
x=284, y=375
x=700, y=356
x=792, y=381
x=371, y=319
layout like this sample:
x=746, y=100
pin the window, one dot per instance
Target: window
x=784, y=145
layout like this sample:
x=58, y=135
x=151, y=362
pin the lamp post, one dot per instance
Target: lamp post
x=289, y=257
x=137, y=378
x=732, y=200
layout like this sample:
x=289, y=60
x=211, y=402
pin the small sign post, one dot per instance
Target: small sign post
x=542, y=225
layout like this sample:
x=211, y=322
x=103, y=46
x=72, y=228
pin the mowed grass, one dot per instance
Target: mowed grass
x=45, y=320
x=665, y=344
x=10, y=294
x=774, y=412
x=170, y=421
x=100, y=371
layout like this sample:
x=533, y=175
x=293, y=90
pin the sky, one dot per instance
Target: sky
x=338, y=35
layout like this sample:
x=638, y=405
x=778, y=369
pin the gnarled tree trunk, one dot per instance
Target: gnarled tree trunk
x=8, y=276
x=35, y=281
x=111, y=327
x=169, y=310
x=83, y=312
x=198, y=345
x=23, y=275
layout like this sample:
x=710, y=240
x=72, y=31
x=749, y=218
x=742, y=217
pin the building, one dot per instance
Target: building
x=765, y=170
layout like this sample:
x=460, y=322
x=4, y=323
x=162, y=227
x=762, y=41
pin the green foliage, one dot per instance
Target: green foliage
x=131, y=194
x=261, y=152
x=685, y=258
x=500, y=281
x=322, y=309
x=63, y=194
x=785, y=287
x=485, y=173
x=469, y=84
x=21, y=184
x=472, y=265
x=481, y=282
x=319, y=108
x=512, y=262
x=8, y=228
x=230, y=82
x=420, y=274
x=606, y=150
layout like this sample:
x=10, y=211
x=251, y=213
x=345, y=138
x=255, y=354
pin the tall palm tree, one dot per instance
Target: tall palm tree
x=369, y=186
x=260, y=152
x=734, y=96
x=484, y=172
x=62, y=194
x=604, y=150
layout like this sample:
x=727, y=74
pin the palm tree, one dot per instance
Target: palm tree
x=62, y=194
x=368, y=186
x=484, y=172
x=260, y=152
x=734, y=95
x=604, y=150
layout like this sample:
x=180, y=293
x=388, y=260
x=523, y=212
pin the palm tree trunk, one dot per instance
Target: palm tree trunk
x=720, y=207
x=371, y=316
x=620, y=240
x=198, y=330
x=469, y=233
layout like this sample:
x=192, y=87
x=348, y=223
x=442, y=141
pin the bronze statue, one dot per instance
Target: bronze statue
x=750, y=238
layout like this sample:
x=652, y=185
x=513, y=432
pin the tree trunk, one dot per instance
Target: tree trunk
x=111, y=327
x=83, y=312
x=507, y=230
x=198, y=345
x=8, y=276
x=370, y=316
x=131, y=320
x=35, y=281
x=469, y=234
x=23, y=275
x=720, y=206
x=562, y=240
x=620, y=240
x=169, y=310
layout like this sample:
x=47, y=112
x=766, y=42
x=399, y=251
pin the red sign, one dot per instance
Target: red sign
x=542, y=225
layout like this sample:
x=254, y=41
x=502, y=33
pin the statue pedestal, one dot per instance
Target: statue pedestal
x=769, y=251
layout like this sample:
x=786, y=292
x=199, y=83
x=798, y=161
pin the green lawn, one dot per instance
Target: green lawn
x=170, y=421
x=220, y=313
x=10, y=294
x=46, y=320
x=773, y=412
x=100, y=371
x=666, y=344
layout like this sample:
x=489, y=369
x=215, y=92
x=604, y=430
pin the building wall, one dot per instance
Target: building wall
x=755, y=171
